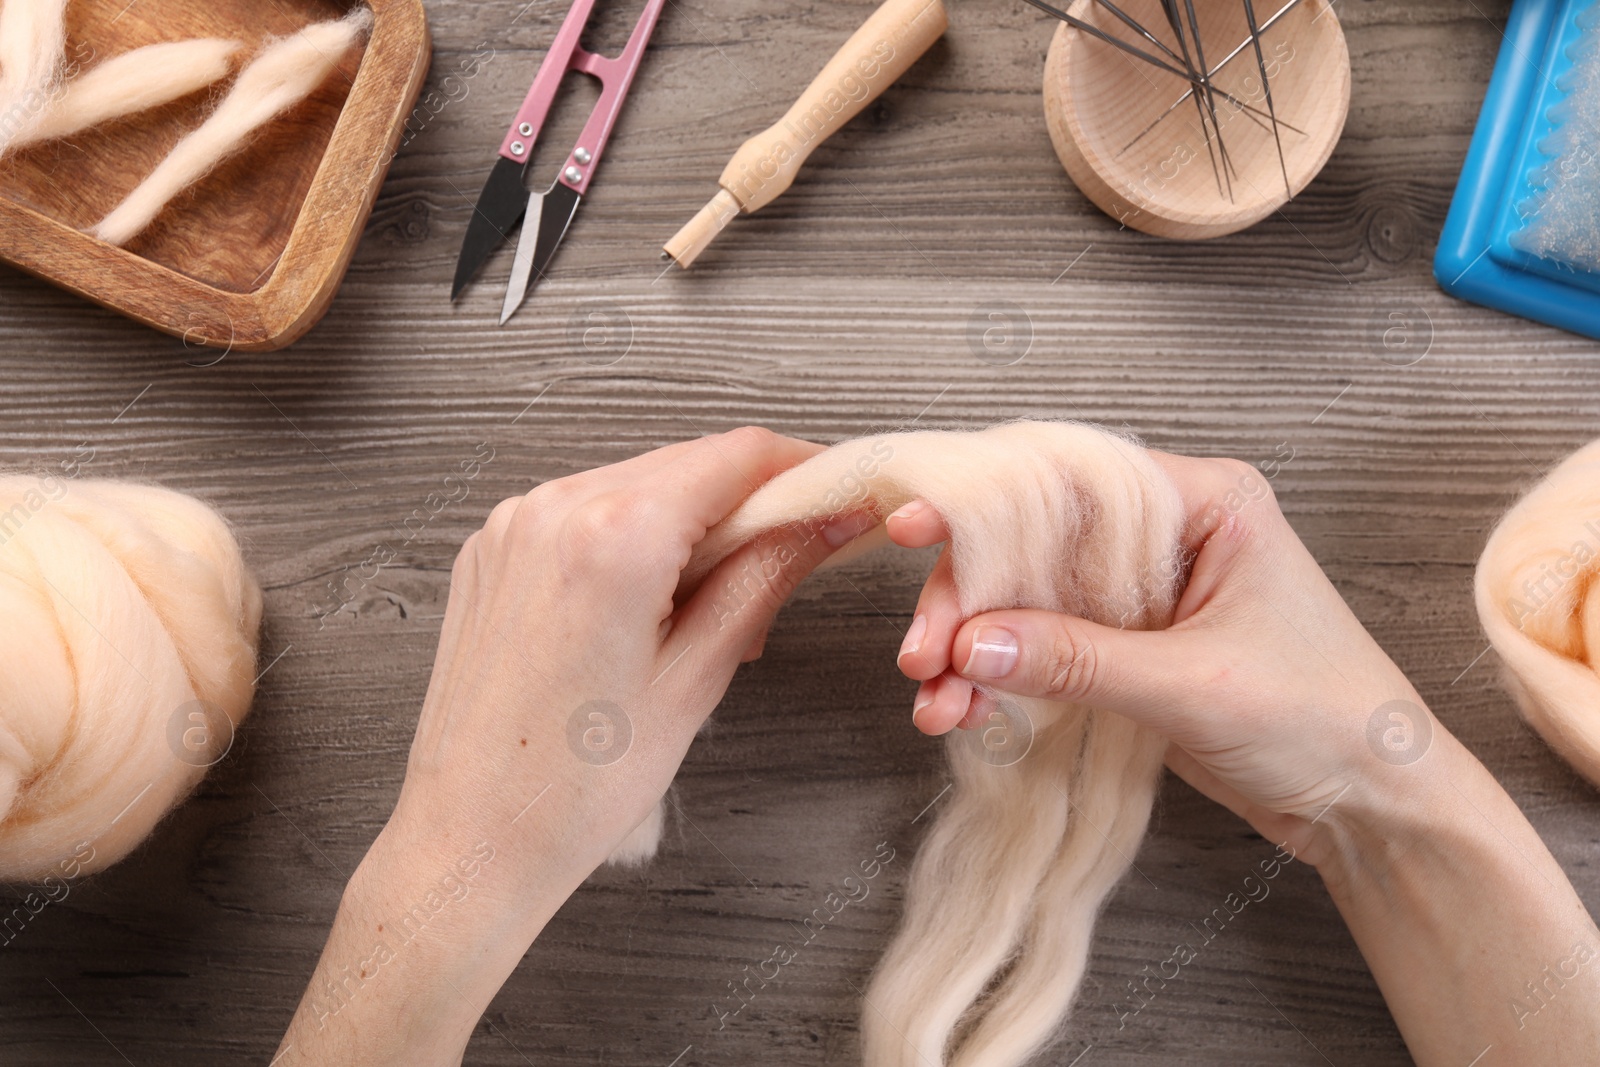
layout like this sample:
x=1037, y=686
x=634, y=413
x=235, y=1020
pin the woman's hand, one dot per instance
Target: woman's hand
x=571, y=675
x=1265, y=683
x=1280, y=706
x=566, y=672
x=573, y=672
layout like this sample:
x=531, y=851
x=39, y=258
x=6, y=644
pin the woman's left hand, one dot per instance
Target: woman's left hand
x=571, y=676
x=566, y=669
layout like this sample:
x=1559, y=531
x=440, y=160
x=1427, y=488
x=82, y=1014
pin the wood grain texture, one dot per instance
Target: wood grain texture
x=858, y=301
x=250, y=256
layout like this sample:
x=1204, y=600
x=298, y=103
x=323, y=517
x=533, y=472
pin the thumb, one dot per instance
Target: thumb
x=736, y=603
x=1137, y=673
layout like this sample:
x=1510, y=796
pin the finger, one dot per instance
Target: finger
x=740, y=598
x=647, y=467
x=983, y=705
x=704, y=483
x=942, y=704
x=917, y=525
x=925, y=652
x=1215, y=492
x=611, y=476
x=657, y=459
x=1209, y=573
x=756, y=647
x=1231, y=510
x=1144, y=675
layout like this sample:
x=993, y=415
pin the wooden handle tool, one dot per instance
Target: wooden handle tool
x=885, y=46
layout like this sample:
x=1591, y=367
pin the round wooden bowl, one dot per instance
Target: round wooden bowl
x=1098, y=100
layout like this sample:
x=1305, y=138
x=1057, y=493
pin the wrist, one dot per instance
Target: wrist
x=432, y=922
x=1458, y=907
x=398, y=979
x=1401, y=816
x=415, y=932
x=451, y=889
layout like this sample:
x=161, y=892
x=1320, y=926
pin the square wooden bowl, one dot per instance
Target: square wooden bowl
x=249, y=257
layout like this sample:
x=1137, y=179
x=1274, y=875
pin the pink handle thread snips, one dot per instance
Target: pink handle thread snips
x=545, y=216
x=615, y=75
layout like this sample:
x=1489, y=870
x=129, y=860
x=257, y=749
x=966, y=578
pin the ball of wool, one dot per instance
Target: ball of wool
x=127, y=654
x=1539, y=601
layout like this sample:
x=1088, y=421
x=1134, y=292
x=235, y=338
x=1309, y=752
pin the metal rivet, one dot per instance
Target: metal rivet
x=574, y=174
x=581, y=155
x=526, y=129
x=517, y=148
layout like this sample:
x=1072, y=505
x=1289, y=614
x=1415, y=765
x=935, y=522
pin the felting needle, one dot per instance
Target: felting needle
x=1171, y=7
x=883, y=48
x=1266, y=87
x=1211, y=97
x=1229, y=58
x=1134, y=24
x=1255, y=115
x=1116, y=42
x=1192, y=77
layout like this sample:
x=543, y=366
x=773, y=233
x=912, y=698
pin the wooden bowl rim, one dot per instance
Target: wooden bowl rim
x=1226, y=218
x=303, y=282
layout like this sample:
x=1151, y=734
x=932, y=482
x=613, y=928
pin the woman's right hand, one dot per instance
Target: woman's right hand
x=1280, y=705
x=1277, y=701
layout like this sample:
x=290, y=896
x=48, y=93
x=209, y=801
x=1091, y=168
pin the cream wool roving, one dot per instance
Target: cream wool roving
x=131, y=82
x=124, y=610
x=1538, y=594
x=33, y=36
x=1005, y=889
x=284, y=73
x=36, y=105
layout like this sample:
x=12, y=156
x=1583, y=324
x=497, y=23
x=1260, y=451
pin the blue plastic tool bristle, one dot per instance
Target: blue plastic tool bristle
x=1560, y=218
x=1523, y=234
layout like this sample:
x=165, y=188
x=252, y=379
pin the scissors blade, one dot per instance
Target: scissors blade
x=560, y=204
x=499, y=209
x=549, y=215
x=522, y=266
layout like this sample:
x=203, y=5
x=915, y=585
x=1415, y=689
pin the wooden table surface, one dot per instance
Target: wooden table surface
x=847, y=307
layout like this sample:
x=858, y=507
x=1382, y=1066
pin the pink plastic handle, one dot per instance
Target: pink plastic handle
x=615, y=75
x=536, y=105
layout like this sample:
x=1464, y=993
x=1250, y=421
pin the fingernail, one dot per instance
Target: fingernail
x=924, y=699
x=993, y=655
x=842, y=531
x=914, y=636
x=910, y=511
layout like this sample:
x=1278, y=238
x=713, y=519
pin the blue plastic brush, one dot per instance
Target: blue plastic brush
x=1523, y=234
